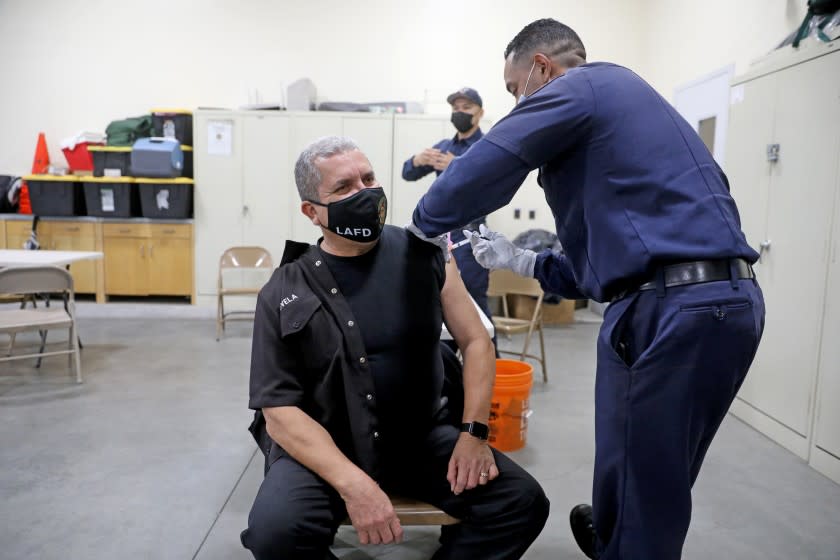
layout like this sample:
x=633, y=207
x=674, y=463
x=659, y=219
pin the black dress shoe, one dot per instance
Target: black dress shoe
x=580, y=519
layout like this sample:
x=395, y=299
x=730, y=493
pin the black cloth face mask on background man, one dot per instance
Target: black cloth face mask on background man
x=462, y=121
x=359, y=217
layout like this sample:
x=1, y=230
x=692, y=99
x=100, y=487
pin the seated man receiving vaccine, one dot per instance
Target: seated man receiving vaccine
x=346, y=369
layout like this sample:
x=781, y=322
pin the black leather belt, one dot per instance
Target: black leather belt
x=695, y=272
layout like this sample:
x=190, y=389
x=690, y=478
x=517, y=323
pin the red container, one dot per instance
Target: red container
x=79, y=158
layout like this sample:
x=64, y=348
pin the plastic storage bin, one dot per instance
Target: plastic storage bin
x=111, y=197
x=188, y=161
x=173, y=123
x=76, y=152
x=56, y=195
x=79, y=157
x=111, y=161
x=166, y=198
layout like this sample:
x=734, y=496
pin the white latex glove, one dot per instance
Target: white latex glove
x=492, y=250
x=441, y=241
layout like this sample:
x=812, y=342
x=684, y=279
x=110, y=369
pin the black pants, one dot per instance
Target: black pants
x=296, y=514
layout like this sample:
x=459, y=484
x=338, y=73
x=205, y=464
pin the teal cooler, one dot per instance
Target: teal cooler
x=56, y=195
x=166, y=198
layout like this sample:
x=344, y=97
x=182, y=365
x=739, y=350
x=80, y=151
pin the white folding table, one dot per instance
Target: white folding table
x=21, y=257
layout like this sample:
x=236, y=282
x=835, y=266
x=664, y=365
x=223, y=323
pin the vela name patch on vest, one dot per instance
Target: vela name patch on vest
x=287, y=300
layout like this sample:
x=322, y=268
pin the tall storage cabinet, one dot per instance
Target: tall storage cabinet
x=826, y=447
x=413, y=134
x=782, y=162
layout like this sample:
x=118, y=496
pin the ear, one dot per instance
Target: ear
x=308, y=210
x=543, y=64
x=480, y=114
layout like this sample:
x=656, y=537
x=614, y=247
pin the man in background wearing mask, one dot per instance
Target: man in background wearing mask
x=467, y=111
x=346, y=369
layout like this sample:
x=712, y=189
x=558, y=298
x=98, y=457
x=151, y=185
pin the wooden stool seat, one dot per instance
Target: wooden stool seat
x=413, y=512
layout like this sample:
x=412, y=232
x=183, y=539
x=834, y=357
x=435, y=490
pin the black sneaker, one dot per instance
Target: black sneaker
x=583, y=530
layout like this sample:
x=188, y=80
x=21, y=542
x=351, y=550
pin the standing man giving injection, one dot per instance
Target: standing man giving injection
x=647, y=222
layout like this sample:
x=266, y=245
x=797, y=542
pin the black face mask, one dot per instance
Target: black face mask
x=359, y=217
x=462, y=121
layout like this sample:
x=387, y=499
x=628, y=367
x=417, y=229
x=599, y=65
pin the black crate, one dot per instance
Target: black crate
x=188, y=162
x=175, y=123
x=55, y=195
x=112, y=197
x=166, y=198
x=115, y=159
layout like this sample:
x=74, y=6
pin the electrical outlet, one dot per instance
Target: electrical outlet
x=517, y=213
x=532, y=214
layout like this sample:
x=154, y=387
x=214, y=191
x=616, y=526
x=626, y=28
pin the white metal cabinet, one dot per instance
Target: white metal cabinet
x=413, y=134
x=217, y=200
x=793, y=197
x=789, y=205
x=826, y=450
x=305, y=129
x=268, y=189
x=750, y=131
x=375, y=136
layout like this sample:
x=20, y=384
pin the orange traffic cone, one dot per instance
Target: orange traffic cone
x=42, y=157
x=40, y=165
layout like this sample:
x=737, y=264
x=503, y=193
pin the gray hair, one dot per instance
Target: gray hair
x=307, y=176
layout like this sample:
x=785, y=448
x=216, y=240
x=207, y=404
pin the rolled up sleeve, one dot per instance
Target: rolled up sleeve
x=275, y=370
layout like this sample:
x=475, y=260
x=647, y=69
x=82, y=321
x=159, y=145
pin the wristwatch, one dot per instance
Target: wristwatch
x=476, y=429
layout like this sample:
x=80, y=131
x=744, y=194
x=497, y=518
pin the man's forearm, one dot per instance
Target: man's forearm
x=312, y=446
x=475, y=184
x=555, y=275
x=479, y=375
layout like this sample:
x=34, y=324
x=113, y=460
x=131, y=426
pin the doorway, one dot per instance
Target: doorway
x=704, y=103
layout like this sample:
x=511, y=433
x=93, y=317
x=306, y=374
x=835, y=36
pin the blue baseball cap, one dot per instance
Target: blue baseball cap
x=466, y=93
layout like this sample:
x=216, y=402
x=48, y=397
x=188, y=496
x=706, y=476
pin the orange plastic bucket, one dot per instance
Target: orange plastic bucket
x=509, y=408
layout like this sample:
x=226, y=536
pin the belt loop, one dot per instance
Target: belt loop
x=660, y=282
x=734, y=275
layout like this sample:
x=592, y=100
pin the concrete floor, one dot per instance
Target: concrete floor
x=149, y=458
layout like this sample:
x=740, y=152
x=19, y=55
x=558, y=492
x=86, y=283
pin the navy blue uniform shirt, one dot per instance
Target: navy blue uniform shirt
x=629, y=182
x=454, y=145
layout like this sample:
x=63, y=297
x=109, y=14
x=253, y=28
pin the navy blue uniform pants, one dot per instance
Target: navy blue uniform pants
x=670, y=362
x=296, y=514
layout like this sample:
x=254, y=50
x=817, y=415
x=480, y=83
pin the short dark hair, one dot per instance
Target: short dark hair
x=552, y=38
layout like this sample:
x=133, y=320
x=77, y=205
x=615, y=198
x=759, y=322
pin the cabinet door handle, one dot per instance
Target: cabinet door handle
x=125, y=231
x=142, y=251
x=73, y=229
x=773, y=152
x=245, y=210
x=151, y=251
x=169, y=231
x=764, y=247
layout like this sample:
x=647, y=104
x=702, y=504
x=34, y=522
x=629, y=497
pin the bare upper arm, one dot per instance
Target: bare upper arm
x=459, y=312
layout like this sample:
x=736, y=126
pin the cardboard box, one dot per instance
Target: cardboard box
x=522, y=307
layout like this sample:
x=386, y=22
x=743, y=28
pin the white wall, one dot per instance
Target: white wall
x=77, y=65
x=68, y=66
x=687, y=39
